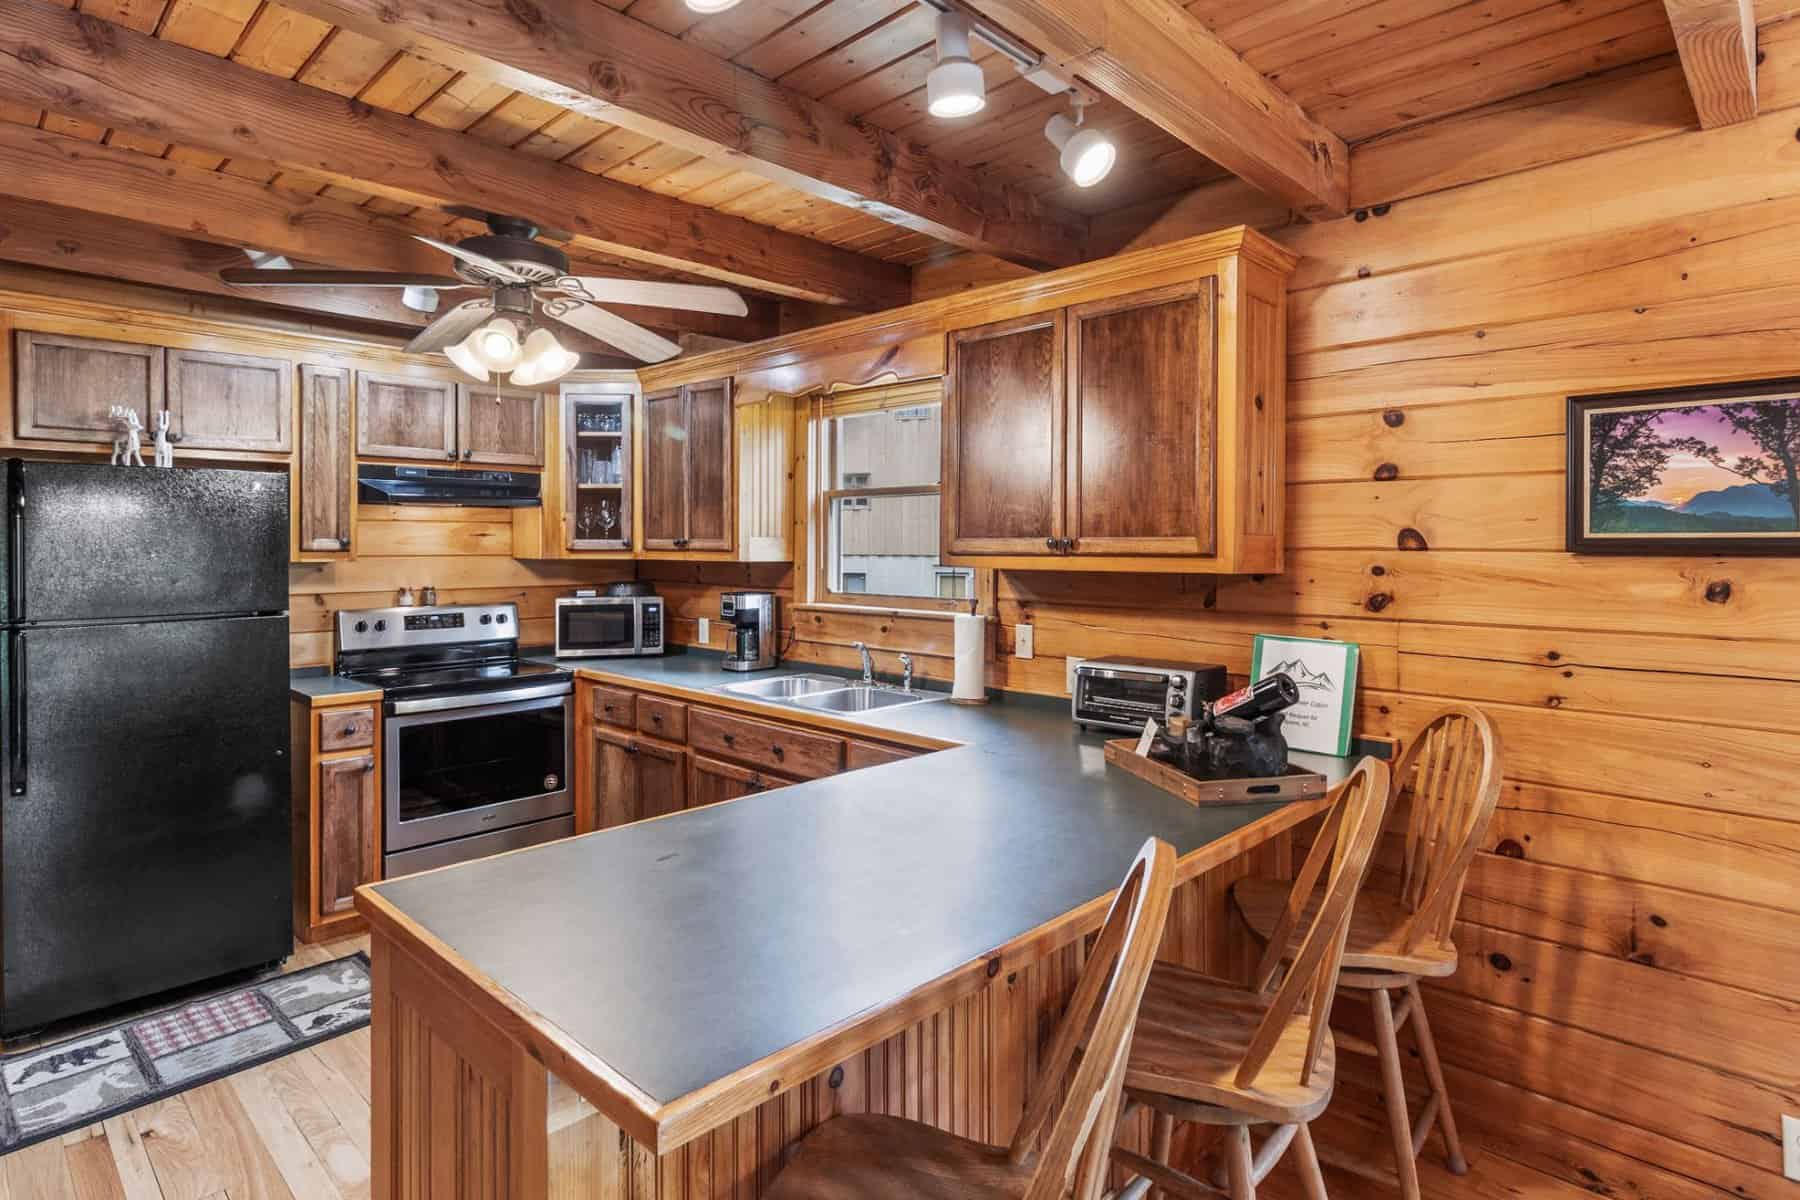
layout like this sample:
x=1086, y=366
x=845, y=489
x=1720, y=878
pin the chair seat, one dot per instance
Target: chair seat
x=869, y=1157
x=1377, y=929
x=1192, y=1033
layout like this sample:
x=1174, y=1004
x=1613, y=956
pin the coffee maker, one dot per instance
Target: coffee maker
x=751, y=618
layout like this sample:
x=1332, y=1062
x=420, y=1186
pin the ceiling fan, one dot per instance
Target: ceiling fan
x=523, y=277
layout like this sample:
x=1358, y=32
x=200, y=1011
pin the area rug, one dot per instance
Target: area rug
x=50, y=1090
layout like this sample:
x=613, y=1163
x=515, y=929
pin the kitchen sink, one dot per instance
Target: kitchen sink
x=786, y=688
x=859, y=698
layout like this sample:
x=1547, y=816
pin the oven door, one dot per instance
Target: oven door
x=597, y=628
x=452, y=772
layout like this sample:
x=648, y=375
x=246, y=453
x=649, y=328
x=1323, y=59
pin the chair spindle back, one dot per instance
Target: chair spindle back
x=1451, y=772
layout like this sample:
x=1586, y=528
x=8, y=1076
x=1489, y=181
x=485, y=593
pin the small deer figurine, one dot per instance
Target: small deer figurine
x=164, y=444
x=126, y=451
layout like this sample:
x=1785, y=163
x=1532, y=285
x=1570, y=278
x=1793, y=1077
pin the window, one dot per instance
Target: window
x=877, y=522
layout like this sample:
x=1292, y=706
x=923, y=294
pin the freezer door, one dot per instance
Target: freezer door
x=146, y=832
x=91, y=542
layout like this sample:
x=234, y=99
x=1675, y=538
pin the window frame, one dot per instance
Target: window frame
x=825, y=408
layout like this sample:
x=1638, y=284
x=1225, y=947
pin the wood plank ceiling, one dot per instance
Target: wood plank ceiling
x=1362, y=68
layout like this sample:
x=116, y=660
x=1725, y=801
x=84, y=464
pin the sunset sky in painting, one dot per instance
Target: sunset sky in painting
x=1687, y=476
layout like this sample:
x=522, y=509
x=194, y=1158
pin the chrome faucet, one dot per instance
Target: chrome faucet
x=868, y=663
x=906, y=672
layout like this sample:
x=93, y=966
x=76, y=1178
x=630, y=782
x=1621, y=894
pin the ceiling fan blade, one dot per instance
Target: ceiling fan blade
x=693, y=297
x=299, y=277
x=452, y=327
x=500, y=272
x=610, y=328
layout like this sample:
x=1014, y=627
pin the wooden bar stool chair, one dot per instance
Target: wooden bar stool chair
x=868, y=1157
x=1451, y=776
x=1218, y=1053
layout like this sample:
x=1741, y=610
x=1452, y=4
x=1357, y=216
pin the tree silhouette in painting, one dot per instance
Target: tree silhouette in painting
x=1774, y=425
x=1627, y=456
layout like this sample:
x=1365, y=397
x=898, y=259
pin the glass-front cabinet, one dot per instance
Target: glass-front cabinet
x=597, y=465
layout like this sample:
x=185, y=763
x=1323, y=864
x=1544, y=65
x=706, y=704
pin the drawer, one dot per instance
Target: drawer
x=346, y=729
x=858, y=755
x=790, y=751
x=616, y=707
x=662, y=718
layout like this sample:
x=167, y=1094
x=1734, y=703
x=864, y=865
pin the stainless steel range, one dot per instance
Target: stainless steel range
x=476, y=755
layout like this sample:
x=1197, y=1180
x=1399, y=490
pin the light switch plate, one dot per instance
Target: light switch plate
x=705, y=631
x=1024, y=641
x=1790, y=1147
x=1069, y=665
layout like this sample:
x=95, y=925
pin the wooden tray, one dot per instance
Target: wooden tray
x=1296, y=785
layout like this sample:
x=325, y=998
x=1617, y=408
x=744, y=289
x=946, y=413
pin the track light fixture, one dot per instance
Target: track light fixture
x=1088, y=155
x=955, y=87
x=710, y=6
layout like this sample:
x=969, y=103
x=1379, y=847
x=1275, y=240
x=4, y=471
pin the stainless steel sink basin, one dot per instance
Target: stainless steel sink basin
x=859, y=698
x=786, y=688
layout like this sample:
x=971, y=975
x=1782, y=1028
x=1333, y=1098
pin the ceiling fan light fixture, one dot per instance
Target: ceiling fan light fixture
x=954, y=87
x=710, y=6
x=1088, y=155
x=463, y=355
x=496, y=345
x=545, y=360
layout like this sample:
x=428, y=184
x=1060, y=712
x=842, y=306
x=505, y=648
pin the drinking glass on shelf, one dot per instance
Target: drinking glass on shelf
x=584, y=522
x=608, y=520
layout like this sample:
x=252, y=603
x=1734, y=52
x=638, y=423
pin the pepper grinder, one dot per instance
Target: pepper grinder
x=428, y=595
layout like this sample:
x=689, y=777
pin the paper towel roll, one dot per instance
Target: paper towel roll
x=970, y=686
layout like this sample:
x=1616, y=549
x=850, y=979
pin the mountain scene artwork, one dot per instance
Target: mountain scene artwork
x=1709, y=468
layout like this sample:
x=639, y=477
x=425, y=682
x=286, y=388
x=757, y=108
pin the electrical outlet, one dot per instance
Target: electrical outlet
x=705, y=631
x=1790, y=1147
x=1023, y=641
x=1069, y=665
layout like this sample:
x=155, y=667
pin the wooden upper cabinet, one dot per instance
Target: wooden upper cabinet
x=1141, y=423
x=1137, y=425
x=405, y=416
x=1004, y=416
x=68, y=385
x=220, y=401
x=501, y=426
x=688, y=479
x=326, y=468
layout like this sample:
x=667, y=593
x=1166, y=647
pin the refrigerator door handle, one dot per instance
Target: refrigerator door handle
x=15, y=548
x=15, y=706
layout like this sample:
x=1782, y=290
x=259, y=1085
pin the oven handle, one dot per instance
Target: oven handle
x=403, y=708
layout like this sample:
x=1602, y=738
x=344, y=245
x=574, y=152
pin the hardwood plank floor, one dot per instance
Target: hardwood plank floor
x=293, y=1129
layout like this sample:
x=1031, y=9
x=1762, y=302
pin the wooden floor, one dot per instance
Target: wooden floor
x=293, y=1129
x=298, y=1129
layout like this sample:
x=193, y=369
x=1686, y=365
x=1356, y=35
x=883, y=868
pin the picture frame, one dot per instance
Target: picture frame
x=1325, y=671
x=1702, y=470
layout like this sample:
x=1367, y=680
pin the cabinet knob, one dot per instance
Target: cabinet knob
x=656, y=717
x=1051, y=543
x=778, y=752
x=468, y=454
x=450, y=454
x=731, y=739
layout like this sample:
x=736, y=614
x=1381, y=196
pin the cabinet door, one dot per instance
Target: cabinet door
x=67, y=385
x=222, y=401
x=347, y=819
x=713, y=782
x=1142, y=411
x=405, y=416
x=662, y=777
x=665, y=470
x=636, y=778
x=597, y=466
x=709, y=487
x=1003, y=438
x=327, y=466
x=500, y=425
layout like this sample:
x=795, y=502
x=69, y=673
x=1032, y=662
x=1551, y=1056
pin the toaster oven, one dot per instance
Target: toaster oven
x=1123, y=693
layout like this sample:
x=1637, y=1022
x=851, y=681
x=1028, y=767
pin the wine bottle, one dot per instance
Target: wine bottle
x=1264, y=698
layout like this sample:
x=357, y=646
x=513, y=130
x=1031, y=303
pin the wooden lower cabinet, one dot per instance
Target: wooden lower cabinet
x=336, y=764
x=634, y=778
x=712, y=781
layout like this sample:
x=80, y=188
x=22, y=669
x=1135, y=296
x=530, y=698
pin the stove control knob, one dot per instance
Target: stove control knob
x=487, y=618
x=362, y=627
x=500, y=617
x=381, y=627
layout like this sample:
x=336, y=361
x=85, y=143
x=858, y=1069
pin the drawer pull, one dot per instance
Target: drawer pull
x=778, y=751
x=656, y=717
x=730, y=739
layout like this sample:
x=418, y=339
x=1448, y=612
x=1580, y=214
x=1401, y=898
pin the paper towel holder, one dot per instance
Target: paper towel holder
x=970, y=659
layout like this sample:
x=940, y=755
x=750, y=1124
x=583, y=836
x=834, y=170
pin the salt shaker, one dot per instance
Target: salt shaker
x=406, y=598
x=428, y=596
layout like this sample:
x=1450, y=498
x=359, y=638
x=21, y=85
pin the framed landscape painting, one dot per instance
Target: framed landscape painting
x=1701, y=470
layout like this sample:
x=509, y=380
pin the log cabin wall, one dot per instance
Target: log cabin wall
x=1631, y=936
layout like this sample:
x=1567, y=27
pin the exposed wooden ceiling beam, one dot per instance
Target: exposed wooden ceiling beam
x=1155, y=57
x=1717, y=41
x=203, y=205
x=85, y=67
x=584, y=56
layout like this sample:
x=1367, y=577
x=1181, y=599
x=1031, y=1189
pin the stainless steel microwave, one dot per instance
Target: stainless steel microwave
x=608, y=626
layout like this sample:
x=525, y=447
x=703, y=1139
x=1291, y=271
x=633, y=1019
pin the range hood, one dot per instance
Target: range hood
x=380, y=484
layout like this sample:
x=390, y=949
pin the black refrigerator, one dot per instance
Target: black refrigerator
x=144, y=807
